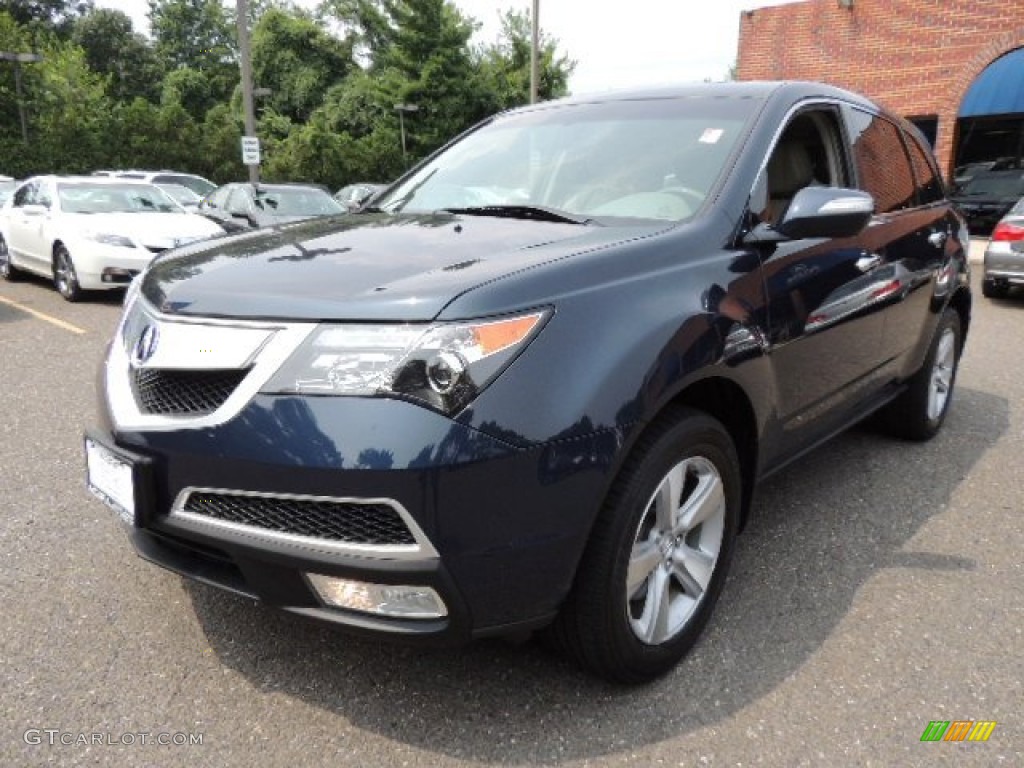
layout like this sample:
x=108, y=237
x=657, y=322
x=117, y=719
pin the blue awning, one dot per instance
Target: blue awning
x=999, y=89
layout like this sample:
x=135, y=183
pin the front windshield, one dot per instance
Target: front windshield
x=114, y=198
x=654, y=159
x=296, y=201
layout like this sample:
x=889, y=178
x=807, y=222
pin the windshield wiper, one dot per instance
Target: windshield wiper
x=535, y=212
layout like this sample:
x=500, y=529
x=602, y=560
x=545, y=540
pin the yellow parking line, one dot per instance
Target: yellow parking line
x=43, y=316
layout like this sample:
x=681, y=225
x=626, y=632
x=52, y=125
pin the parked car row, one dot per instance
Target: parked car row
x=989, y=196
x=91, y=232
x=97, y=232
x=242, y=206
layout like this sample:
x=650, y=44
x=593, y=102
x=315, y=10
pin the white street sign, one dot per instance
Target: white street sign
x=250, y=150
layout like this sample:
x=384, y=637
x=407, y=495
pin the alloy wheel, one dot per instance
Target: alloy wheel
x=675, y=550
x=941, y=382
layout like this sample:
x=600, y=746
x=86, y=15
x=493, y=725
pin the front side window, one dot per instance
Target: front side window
x=654, y=160
x=882, y=163
x=26, y=195
x=807, y=153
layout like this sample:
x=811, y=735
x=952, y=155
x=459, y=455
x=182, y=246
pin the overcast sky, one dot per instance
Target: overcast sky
x=615, y=44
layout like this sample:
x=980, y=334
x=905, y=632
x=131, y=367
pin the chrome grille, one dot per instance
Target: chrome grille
x=191, y=393
x=362, y=523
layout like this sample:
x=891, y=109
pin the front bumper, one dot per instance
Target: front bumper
x=498, y=529
x=100, y=266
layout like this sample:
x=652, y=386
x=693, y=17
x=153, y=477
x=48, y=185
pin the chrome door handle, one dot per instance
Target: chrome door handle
x=867, y=263
x=938, y=239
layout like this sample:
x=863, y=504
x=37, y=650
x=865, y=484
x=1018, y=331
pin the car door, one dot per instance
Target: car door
x=823, y=332
x=911, y=234
x=25, y=226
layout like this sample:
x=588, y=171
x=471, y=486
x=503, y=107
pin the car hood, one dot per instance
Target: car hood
x=154, y=230
x=360, y=267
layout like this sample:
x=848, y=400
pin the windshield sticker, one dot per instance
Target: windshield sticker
x=711, y=135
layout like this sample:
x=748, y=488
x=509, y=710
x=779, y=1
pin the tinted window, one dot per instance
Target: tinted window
x=882, y=163
x=929, y=186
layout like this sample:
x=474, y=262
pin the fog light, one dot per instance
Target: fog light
x=119, y=276
x=398, y=600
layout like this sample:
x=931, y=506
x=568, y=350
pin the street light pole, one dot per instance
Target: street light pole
x=401, y=109
x=19, y=59
x=534, y=55
x=245, y=62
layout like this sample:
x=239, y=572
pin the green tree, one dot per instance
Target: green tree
x=71, y=125
x=40, y=16
x=113, y=47
x=421, y=49
x=192, y=33
x=196, y=35
x=298, y=60
x=219, y=157
x=506, y=64
x=13, y=37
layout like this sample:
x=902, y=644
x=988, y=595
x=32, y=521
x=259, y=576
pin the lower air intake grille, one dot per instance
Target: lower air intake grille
x=191, y=393
x=349, y=522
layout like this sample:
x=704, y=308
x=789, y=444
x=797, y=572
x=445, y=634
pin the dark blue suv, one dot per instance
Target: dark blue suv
x=535, y=384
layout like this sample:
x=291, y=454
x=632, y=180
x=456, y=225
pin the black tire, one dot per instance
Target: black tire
x=65, y=278
x=612, y=633
x=8, y=271
x=915, y=415
x=994, y=289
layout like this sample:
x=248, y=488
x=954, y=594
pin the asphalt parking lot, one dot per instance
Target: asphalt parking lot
x=877, y=588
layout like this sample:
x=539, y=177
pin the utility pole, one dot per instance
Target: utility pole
x=245, y=61
x=534, y=55
x=19, y=59
x=401, y=109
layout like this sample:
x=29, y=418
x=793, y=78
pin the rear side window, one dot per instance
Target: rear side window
x=929, y=186
x=882, y=163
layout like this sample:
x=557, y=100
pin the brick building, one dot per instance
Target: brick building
x=918, y=58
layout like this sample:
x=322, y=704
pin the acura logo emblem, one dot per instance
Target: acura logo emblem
x=146, y=345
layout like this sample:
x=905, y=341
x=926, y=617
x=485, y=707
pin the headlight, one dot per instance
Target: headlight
x=444, y=365
x=108, y=239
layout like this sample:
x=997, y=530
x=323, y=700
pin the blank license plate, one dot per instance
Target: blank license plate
x=110, y=479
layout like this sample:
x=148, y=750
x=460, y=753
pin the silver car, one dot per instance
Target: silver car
x=1004, y=255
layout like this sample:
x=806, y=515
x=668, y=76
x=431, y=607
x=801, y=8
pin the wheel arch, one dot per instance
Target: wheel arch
x=961, y=303
x=726, y=401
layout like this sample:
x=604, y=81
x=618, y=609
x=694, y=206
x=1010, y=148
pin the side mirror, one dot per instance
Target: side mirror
x=360, y=200
x=832, y=212
x=34, y=209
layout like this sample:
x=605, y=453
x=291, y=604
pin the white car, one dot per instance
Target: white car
x=90, y=232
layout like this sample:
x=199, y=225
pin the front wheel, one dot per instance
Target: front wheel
x=919, y=412
x=65, y=279
x=658, y=554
